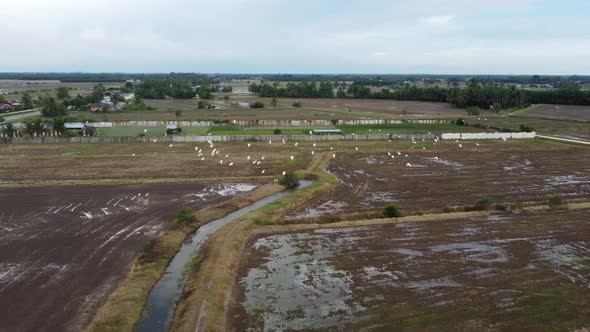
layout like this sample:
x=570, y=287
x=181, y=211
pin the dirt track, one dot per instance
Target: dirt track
x=64, y=249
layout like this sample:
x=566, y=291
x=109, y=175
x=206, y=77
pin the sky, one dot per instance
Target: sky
x=297, y=36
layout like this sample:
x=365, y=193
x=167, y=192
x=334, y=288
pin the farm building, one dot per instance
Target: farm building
x=98, y=107
x=75, y=127
x=326, y=131
x=172, y=129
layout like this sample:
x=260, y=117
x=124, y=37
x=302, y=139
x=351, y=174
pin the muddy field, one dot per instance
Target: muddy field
x=64, y=249
x=561, y=128
x=448, y=175
x=561, y=112
x=504, y=272
x=369, y=106
x=151, y=161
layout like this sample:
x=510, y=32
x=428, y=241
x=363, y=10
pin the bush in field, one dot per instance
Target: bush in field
x=391, y=211
x=184, y=216
x=473, y=110
x=257, y=104
x=526, y=129
x=460, y=122
x=297, y=104
x=555, y=200
x=277, y=131
x=289, y=180
x=483, y=204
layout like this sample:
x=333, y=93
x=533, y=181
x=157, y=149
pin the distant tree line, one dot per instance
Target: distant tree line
x=162, y=88
x=475, y=94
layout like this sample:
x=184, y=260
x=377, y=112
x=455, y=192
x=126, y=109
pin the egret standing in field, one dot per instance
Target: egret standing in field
x=249, y=144
x=292, y=157
x=248, y=158
x=296, y=143
x=312, y=153
x=284, y=173
x=460, y=146
x=263, y=171
x=334, y=155
x=231, y=164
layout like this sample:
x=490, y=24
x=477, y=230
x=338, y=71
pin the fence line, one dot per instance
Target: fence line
x=262, y=138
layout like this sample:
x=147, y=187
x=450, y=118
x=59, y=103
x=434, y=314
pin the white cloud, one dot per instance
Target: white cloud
x=437, y=21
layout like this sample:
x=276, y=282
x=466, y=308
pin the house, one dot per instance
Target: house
x=98, y=107
x=172, y=129
x=11, y=106
x=325, y=131
x=78, y=127
x=128, y=96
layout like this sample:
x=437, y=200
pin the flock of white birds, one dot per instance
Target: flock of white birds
x=258, y=162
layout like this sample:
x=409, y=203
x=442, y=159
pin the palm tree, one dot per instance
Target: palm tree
x=9, y=129
x=27, y=101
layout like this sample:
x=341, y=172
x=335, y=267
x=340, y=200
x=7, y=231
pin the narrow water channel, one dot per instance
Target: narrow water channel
x=159, y=309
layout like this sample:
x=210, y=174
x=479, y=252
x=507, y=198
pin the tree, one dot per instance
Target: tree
x=257, y=104
x=97, y=92
x=555, y=200
x=201, y=105
x=2, y=98
x=289, y=180
x=391, y=211
x=277, y=131
x=184, y=216
x=59, y=125
x=62, y=94
x=116, y=99
x=274, y=102
x=483, y=204
x=297, y=104
x=35, y=126
x=52, y=108
x=178, y=114
x=9, y=129
x=27, y=101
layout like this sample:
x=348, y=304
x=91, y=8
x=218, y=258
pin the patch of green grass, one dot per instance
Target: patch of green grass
x=236, y=130
x=405, y=128
x=149, y=131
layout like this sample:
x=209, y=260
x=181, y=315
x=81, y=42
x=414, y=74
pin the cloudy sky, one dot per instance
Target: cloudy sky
x=297, y=36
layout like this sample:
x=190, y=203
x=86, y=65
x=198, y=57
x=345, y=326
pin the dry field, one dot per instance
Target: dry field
x=505, y=272
x=447, y=175
x=372, y=107
x=40, y=163
x=64, y=249
x=552, y=127
x=560, y=112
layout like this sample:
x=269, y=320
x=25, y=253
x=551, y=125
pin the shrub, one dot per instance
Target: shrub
x=297, y=104
x=257, y=104
x=277, y=131
x=555, y=200
x=184, y=216
x=391, y=211
x=516, y=205
x=178, y=114
x=473, y=110
x=483, y=204
x=289, y=180
x=526, y=129
x=460, y=122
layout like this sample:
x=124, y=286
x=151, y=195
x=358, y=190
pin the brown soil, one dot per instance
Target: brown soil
x=64, y=249
x=503, y=171
x=387, y=107
x=561, y=112
x=503, y=272
x=152, y=161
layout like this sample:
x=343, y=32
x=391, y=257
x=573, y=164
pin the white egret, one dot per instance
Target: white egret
x=312, y=153
x=460, y=145
x=284, y=173
x=409, y=165
x=221, y=161
x=297, y=143
x=248, y=158
x=292, y=157
x=263, y=171
x=249, y=144
x=231, y=164
x=170, y=145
